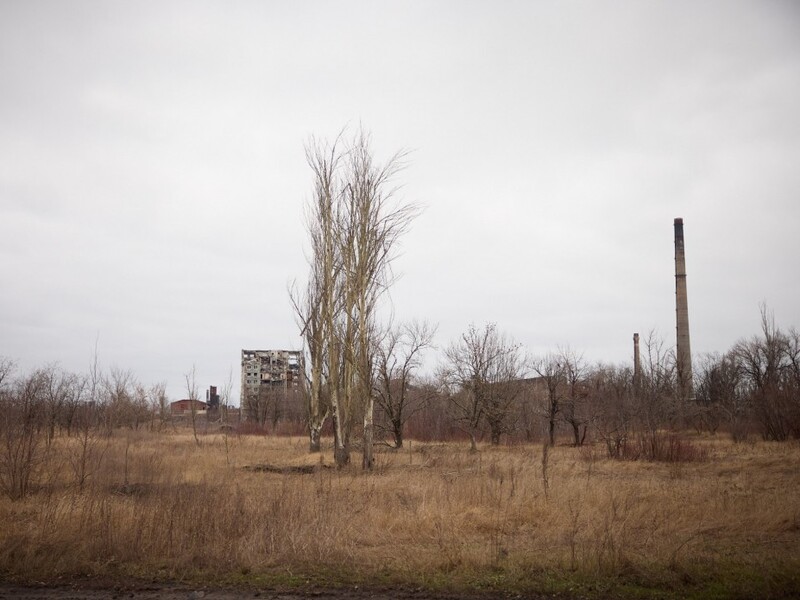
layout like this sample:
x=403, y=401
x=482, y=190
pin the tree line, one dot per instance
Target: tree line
x=486, y=389
x=49, y=401
x=362, y=371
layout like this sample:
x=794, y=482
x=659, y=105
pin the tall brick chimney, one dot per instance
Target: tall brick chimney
x=683, y=348
x=637, y=363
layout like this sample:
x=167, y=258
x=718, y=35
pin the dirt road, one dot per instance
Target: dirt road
x=167, y=592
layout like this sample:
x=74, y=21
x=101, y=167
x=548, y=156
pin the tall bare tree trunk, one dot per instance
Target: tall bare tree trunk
x=316, y=418
x=353, y=228
x=367, y=461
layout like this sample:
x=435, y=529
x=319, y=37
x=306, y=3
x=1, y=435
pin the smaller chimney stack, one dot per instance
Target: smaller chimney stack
x=637, y=365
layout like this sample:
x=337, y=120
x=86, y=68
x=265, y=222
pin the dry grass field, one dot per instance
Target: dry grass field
x=161, y=508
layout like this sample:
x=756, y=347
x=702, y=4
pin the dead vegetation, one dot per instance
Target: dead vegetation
x=158, y=506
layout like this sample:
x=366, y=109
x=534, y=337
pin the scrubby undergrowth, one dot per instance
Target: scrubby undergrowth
x=159, y=507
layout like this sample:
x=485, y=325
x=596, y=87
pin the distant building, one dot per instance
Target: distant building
x=184, y=407
x=270, y=368
x=271, y=383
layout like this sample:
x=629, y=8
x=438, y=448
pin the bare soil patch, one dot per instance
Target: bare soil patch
x=179, y=592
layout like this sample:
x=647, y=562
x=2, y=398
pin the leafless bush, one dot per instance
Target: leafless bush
x=670, y=447
x=123, y=400
x=661, y=446
x=21, y=415
x=86, y=449
x=612, y=395
x=768, y=371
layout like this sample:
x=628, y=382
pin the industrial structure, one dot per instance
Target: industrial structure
x=212, y=398
x=637, y=364
x=683, y=349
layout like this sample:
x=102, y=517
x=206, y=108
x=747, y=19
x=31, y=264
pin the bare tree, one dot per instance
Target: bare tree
x=86, y=454
x=319, y=307
x=659, y=402
x=140, y=406
x=373, y=221
x=21, y=415
x=354, y=223
x=7, y=367
x=611, y=392
x=484, y=369
x=721, y=396
x=119, y=405
x=575, y=412
x=769, y=366
x=551, y=371
x=225, y=397
x=792, y=379
x=60, y=393
x=398, y=355
x=311, y=311
x=192, y=395
x=158, y=405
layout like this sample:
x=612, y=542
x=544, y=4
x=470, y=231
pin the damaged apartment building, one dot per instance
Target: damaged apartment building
x=272, y=386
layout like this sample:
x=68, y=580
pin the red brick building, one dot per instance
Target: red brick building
x=184, y=407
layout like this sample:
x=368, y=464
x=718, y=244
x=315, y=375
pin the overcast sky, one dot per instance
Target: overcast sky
x=152, y=171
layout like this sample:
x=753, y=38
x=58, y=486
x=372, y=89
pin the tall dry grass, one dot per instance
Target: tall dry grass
x=159, y=506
